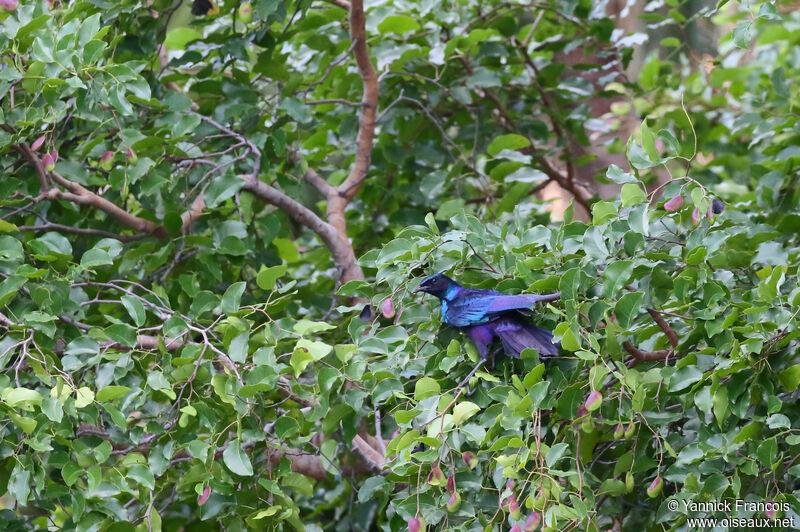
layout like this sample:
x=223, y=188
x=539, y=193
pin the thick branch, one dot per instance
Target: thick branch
x=366, y=123
x=319, y=183
x=80, y=231
x=671, y=335
x=193, y=214
x=41, y=173
x=376, y=461
x=646, y=356
x=341, y=250
x=78, y=194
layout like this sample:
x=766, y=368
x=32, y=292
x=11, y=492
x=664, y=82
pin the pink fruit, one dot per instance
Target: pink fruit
x=674, y=204
x=710, y=214
x=9, y=5
x=203, y=497
x=38, y=142
x=451, y=484
x=769, y=509
x=470, y=459
x=513, y=509
x=387, y=308
x=532, y=522
x=655, y=487
x=696, y=216
x=436, y=477
x=48, y=162
x=454, y=502
x=516, y=528
x=132, y=157
x=416, y=524
x=594, y=401
x=105, y=160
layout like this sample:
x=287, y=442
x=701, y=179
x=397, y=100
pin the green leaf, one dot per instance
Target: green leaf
x=743, y=33
x=507, y=142
x=135, y=309
x=617, y=175
x=142, y=475
x=51, y=407
x=267, y=277
x=236, y=460
x=122, y=333
x=84, y=396
x=603, y=211
x=426, y=387
x=463, y=411
x=14, y=397
x=232, y=297
x=616, y=276
x=399, y=24
x=790, y=377
x=555, y=453
x=632, y=195
x=627, y=308
x=178, y=38
x=638, y=157
x=109, y=393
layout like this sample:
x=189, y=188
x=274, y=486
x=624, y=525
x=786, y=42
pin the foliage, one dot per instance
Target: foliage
x=184, y=198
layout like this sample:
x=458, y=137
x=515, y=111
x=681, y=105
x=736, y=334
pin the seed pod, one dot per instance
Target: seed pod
x=619, y=431
x=48, y=162
x=132, y=157
x=387, y=308
x=37, y=143
x=709, y=214
x=532, y=522
x=203, y=497
x=454, y=502
x=630, y=430
x=436, y=477
x=594, y=401
x=105, y=160
x=246, y=12
x=696, y=216
x=470, y=459
x=674, y=204
x=416, y=524
x=513, y=508
x=629, y=482
x=655, y=487
x=451, y=484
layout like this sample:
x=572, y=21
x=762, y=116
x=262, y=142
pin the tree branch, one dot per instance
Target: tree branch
x=671, y=335
x=341, y=250
x=366, y=125
x=645, y=356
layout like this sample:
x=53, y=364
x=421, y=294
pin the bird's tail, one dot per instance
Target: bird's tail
x=517, y=334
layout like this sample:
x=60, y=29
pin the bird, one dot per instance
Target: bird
x=484, y=315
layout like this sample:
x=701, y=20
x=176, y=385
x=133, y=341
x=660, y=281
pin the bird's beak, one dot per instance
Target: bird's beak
x=417, y=290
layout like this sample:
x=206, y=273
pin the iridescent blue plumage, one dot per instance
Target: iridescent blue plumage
x=487, y=314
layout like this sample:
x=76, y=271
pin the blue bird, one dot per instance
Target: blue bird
x=487, y=314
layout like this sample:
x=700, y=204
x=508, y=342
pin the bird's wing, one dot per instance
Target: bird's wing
x=517, y=334
x=469, y=307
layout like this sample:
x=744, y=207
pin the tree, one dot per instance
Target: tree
x=196, y=209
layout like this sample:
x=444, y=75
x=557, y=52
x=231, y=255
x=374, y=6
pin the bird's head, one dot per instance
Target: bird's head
x=435, y=285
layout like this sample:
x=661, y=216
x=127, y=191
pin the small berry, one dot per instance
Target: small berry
x=203, y=497
x=674, y=204
x=37, y=143
x=655, y=487
x=594, y=401
x=436, y=477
